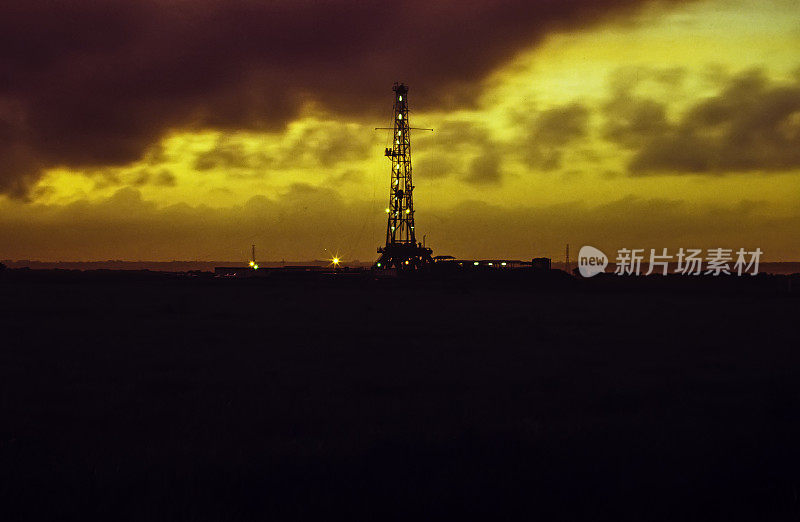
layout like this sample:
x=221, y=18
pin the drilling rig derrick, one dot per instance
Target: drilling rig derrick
x=401, y=250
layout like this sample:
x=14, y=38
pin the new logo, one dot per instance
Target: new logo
x=591, y=261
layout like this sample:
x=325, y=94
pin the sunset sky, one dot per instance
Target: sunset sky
x=188, y=130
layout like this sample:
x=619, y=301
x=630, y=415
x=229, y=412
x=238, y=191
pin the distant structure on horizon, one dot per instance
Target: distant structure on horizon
x=401, y=250
x=566, y=260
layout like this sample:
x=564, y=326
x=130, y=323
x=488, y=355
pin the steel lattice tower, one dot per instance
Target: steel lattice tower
x=400, y=228
x=401, y=249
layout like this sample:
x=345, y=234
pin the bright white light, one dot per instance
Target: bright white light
x=400, y=98
x=399, y=116
x=503, y=263
x=408, y=211
x=335, y=261
x=252, y=263
x=387, y=210
x=476, y=263
x=255, y=266
x=379, y=264
x=490, y=264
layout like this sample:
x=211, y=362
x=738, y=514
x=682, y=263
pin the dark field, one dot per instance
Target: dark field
x=189, y=399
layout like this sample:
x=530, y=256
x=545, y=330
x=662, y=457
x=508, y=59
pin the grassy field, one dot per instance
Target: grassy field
x=189, y=399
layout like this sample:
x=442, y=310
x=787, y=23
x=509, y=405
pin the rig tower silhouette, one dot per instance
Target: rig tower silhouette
x=401, y=250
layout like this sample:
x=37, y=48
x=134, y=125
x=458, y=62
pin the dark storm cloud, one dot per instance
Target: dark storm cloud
x=109, y=177
x=327, y=144
x=561, y=125
x=321, y=144
x=543, y=137
x=430, y=166
x=226, y=155
x=484, y=170
x=163, y=178
x=457, y=140
x=632, y=121
x=160, y=178
x=94, y=83
x=549, y=132
x=751, y=125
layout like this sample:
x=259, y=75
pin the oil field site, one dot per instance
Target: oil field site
x=394, y=261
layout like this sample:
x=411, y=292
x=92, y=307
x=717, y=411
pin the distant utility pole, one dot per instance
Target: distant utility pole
x=566, y=259
x=253, y=263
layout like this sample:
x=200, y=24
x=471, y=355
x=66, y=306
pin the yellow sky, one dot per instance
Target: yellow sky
x=513, y=162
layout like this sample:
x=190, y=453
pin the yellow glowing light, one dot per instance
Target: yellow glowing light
x=408, y=211
x=252, y=263
x=399, y=116
x=476, y=263
x=503, y=263
x=387, y=210
x=255, y=266
x=400, y=98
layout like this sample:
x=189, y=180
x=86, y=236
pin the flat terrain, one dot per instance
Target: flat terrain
x=156, y=398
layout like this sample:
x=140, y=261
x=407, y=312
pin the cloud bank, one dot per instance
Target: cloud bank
x=92, y=83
